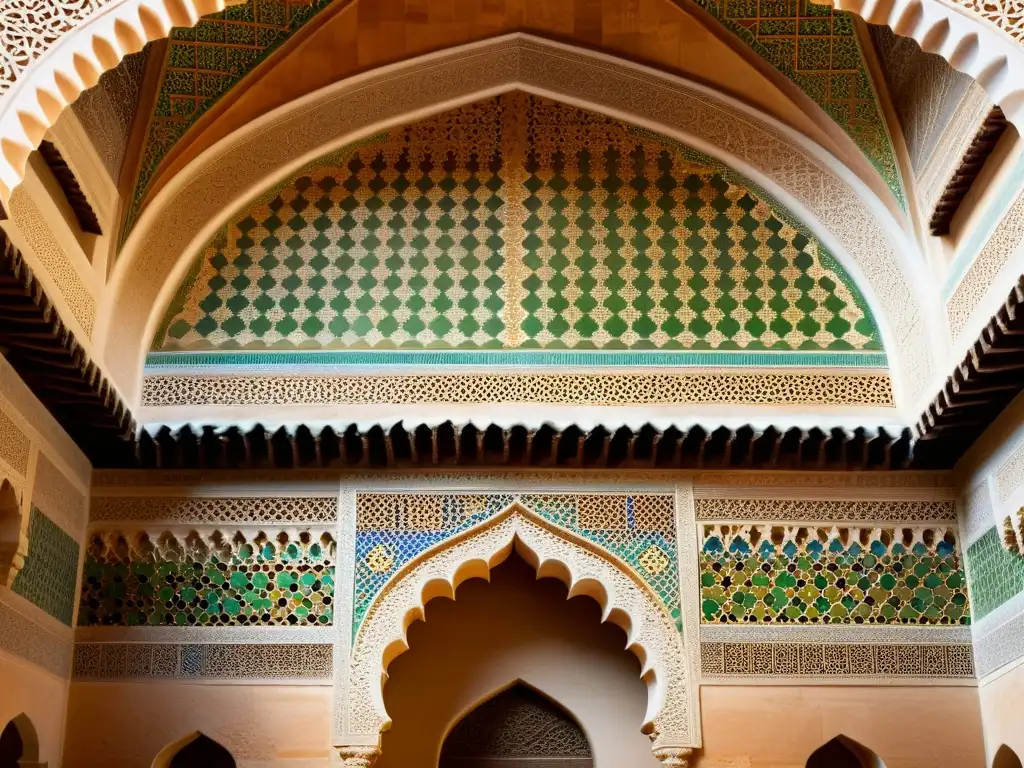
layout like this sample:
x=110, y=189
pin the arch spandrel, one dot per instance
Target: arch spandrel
x=672, y=717
x=850, y=222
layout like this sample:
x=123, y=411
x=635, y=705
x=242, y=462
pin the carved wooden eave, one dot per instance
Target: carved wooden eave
x=49, y=359
x=990, y=375
x=402, y=446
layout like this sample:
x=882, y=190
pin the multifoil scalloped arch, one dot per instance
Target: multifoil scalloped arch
x=672, y=717
x=55, y=49
x=853, y=223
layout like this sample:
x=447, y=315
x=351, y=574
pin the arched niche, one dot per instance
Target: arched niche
x=843, y=752
x=194, y=751
x=1006, y=758
x=10, y=532
x=518, y=724
x=625, y=600
x=19, y=744
x=851, y=222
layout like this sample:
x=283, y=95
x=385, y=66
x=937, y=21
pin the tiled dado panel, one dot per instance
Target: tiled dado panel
x=48, y=577
x=996, y=574
x=791, y=574
x=219, y=581
x=393, y=528
x=218, y=661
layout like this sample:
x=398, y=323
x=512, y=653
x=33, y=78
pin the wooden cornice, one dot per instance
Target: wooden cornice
x=46, y=355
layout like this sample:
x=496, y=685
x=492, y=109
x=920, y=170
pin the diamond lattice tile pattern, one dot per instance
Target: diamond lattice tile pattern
x=517, y=222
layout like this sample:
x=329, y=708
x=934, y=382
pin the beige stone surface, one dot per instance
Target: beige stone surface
x=780, y=726
x=126, y=725
x=25, y=689
x=1002, y=709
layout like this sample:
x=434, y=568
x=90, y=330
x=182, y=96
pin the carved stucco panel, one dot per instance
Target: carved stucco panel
x=672, y=704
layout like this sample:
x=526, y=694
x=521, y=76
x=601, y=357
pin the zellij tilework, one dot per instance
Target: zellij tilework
x=812, y=44
x=263, y=584
x=766, y=574
x=50, y=572
x=517, y=222
x=393, y=528
x=996, y=573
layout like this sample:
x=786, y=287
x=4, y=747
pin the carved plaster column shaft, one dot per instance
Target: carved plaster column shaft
x=358, y=756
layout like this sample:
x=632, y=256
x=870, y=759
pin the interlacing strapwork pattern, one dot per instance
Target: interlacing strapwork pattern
x=393, y=528
x=824, y=510
x=201, y=511
x=574, y=389
x=29, y=27
x=517, y=222
x=1008, y=15
x=210, y=579
x=835, y=660
x=841, y=574
x=222, y=661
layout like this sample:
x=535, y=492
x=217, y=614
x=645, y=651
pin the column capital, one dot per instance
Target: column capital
x=358, y=755
x=674, y=757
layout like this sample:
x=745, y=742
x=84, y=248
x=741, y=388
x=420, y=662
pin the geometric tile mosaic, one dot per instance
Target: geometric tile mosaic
x=392, y=528
x=204, y=62
x=817, y=48
x=812, y=44
x=483, y=228
x=50, y=572
x=996, y=574
x=844, y=575
x=257, y=584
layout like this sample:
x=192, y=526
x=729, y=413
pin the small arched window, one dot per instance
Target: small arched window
x=202, y=752
x=19, y=745
x=518, y=727
x=1006, y=758
x=843, y=752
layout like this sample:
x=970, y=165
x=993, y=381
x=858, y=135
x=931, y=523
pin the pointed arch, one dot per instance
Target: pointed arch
x=851, y=221
x=50, y=66
x=488, y=717
x=10, y=532
x=1006, y=758
x=843, y=752
x=197, y=750
x=19, y=744
x=586, y=569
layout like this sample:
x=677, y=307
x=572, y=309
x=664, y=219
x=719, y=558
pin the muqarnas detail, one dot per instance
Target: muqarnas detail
x=209, y=580
x=844, y=575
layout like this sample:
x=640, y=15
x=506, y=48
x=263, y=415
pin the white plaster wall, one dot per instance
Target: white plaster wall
x=42, y=697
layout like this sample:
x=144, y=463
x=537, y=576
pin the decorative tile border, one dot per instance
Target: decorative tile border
x=749, y=388
x=21, y=636
x=215, y=510
x=121, y=661
x=770, y=510
x=255, y=361
x=833, y=660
